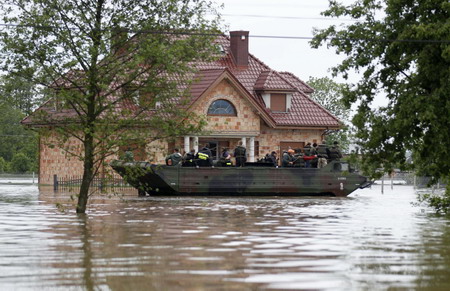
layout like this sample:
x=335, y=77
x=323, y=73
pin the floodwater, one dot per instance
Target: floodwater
x=367, y=241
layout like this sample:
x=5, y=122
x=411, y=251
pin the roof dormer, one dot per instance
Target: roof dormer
x=277, y=101
x=275, y=91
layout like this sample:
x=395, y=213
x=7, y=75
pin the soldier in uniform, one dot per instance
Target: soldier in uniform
x=313, y=152
x=273, y=158
x=240, y=153
x=335, y=152
x=307, y=151
x=298, y=158
x=322, y=154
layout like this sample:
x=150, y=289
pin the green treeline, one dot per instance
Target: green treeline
x=18, y=145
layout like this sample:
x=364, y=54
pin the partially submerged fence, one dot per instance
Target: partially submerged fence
x=408, y=178
x=102, y=183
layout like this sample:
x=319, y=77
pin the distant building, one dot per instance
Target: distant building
x=243, y=100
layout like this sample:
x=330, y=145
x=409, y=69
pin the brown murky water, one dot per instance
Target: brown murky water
x=367, y=241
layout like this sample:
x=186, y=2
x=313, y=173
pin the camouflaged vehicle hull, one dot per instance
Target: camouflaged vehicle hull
x=336, y=179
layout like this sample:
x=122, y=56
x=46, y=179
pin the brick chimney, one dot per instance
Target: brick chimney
x=239, y=47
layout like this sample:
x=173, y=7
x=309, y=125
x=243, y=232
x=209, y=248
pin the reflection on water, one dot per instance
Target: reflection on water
x=367, y=241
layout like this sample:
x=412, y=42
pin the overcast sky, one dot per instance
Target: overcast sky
x=283, y=18
x=287, y=18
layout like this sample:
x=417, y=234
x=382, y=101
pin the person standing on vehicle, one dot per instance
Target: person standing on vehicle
x=335, y=152
x=322, y=154
x=313, y=153
x=288, y=158
x=240, y=153
x=307, y=153
x=273, y=158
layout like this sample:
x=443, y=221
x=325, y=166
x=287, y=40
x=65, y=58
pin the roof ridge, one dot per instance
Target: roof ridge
x=213, y=69
x=297, y=78
x=260, y=62
x=306, y=95
x=284, y=79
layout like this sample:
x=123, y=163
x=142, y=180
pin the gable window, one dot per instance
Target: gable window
x=278, y=102
x=222, y=107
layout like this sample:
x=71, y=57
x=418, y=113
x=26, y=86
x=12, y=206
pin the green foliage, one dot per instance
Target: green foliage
x=441, y=203
x=20, y=163
x=3, y=165
x=19, y=93
x=329, y=94
x=402, y=49
x=112, y=63
x=14, y=138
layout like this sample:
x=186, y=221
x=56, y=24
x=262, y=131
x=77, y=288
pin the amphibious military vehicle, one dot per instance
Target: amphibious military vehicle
x=336, y=179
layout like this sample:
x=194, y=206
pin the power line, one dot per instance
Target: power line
x=255, y=36
x=290, y=17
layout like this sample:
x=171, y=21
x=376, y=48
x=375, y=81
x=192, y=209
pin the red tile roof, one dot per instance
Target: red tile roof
x=299, y=84
x=256, y=78
x=271, y=81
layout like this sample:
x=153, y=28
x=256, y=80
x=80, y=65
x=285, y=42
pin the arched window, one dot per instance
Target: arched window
x=221, y=107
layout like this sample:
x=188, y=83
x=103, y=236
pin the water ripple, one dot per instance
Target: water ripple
x=365, y=242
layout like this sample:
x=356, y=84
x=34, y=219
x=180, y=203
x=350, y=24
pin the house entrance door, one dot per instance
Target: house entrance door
x=216, y=146
x=285, y=145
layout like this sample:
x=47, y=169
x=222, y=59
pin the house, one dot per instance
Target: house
x=243, y=100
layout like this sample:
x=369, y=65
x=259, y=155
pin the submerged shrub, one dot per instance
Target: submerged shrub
x=441, y=203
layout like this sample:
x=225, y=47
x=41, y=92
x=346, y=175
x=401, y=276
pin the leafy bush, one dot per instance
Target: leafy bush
x=20, y=163
x=441, y=203
x=3, y=165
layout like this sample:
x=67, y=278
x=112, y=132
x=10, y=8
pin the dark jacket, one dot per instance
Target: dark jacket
x=273, y=160
x=287, y=158
x=175, y=158
x=189, y=160
x=322, y=151
x=240, y=154
x=204, y=157
x=335, y=153
x=224, y=160
x=307, y=150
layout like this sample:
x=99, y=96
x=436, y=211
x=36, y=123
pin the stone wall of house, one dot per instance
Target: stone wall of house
x=55, y=161
x=269, y=139
x=246, y=120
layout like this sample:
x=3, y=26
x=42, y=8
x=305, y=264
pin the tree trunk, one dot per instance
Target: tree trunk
x=88, y=173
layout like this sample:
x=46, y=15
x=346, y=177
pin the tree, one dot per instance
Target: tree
x=329, y=94
x=107, y=83
x=402, y=49
x=19, y=93
x=14, y=138
x=20, y=163
x=3, y=165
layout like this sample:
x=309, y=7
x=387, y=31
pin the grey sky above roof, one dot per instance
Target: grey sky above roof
x=286, y=18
